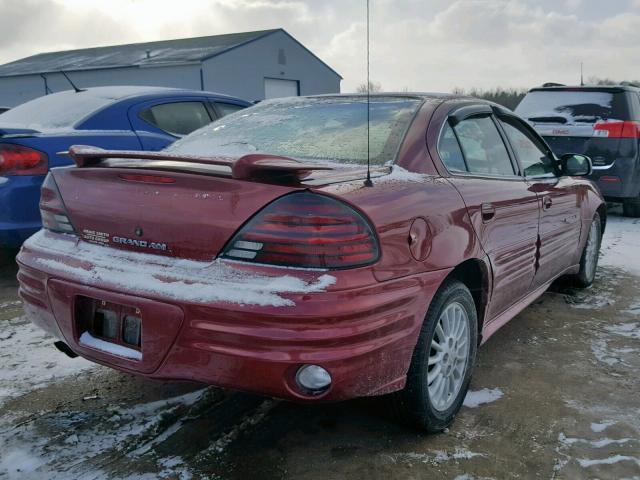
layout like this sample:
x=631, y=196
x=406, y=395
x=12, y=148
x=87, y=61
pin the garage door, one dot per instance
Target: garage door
x=277, y=87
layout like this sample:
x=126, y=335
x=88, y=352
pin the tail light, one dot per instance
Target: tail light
x=52, y=210
x=617, y=129
x=306, y=230
x=21, y=160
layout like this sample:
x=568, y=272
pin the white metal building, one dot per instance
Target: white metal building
x=249, y=65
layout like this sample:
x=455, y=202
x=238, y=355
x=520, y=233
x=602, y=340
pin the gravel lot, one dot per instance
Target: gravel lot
x=556, y=394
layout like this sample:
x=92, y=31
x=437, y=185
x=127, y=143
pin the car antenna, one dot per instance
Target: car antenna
x=368, y=182
x=581, y=74
x=78, y=90
x=47, y=90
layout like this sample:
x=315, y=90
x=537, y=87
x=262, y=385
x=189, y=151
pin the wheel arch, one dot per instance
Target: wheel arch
x=602, y=211
x=474, y=273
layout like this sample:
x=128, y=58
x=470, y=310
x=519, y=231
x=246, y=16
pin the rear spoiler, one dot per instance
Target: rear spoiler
x=254, y=167
x=5, y=132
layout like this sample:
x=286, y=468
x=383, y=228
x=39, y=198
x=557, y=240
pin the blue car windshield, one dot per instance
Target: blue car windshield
x=332, y=129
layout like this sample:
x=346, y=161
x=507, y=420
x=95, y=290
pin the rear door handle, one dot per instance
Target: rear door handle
x=547, y=202
x=488, y=212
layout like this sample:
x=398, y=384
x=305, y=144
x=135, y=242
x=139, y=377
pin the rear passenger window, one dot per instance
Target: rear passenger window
x=179, y=118
x=227, y=108
x=532, y=156
x=449, y=151
x=483, y=148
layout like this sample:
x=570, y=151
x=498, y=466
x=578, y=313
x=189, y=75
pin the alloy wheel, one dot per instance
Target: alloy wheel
x=448, y=356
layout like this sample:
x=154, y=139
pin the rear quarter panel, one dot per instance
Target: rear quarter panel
x=393, y=205
x=591, y=202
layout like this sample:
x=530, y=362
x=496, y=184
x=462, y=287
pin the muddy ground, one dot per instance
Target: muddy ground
x=555, y=394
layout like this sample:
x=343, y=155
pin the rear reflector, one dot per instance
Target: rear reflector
x=609, y=179
x=617, y=129
x=52, y=210
x=21, y=160
x=306, y=230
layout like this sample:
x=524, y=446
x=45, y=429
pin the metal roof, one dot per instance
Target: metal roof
x=166, y=52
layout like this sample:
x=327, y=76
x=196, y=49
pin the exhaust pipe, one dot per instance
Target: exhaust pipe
x=64, y=348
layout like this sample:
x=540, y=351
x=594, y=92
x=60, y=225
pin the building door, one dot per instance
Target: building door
x=278, y=87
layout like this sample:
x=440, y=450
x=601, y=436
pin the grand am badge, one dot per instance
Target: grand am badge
x=139, y=243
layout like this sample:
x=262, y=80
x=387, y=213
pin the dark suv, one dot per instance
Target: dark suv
x=600, y=122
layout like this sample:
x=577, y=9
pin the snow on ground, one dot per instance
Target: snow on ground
x=434, y=457
x=29, y=361
x=621, y=244
x=596, y=449
x=480, y=397
x=616, y=344
x=79, y=437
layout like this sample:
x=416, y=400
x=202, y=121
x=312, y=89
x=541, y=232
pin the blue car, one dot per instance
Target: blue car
x=34, y=135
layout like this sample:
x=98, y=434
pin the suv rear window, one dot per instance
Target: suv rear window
x=573, y=107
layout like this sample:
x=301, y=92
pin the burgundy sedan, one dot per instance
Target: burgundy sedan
x=253, y=255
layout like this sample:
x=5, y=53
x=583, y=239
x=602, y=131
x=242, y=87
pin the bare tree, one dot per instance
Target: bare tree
x=373, y=87
x=508, y=97
x=608, y=81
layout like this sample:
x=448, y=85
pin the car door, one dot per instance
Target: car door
x=559, y=198
x=502, y=206
x=160, y=122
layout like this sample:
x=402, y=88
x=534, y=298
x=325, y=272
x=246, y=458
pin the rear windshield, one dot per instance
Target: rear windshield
x=58, y=111
x=327, y=128
x=572, y=107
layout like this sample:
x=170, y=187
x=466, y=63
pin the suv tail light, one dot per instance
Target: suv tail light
x=305, y=230
x=52, y=210
x=21, y=160
x=617, y=129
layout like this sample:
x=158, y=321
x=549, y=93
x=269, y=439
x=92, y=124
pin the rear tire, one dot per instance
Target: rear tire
x=631, y=207
x=442, y=362
x=589, y=259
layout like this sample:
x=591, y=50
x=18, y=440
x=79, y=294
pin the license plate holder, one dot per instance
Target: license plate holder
x=109, y=321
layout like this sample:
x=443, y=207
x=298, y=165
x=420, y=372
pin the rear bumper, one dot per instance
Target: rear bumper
x=363, y=335
x=620, y=180
x=19, y=212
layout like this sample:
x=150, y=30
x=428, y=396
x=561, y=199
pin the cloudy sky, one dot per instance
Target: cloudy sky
x=432, y=45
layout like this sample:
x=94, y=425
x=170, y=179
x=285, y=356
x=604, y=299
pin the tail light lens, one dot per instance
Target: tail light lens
x=617, y=129
x=306, y=230
x=21, y=160
x=52, y=210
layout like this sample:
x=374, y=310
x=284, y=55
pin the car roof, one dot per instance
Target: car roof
x=590, y=88
x=420, y=95
x=69, y=109
x=124, y=92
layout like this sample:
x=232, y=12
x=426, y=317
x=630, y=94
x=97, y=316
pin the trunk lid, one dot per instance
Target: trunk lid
x=171, y=213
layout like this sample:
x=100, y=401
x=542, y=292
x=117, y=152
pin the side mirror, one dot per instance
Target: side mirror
x=575, y=165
